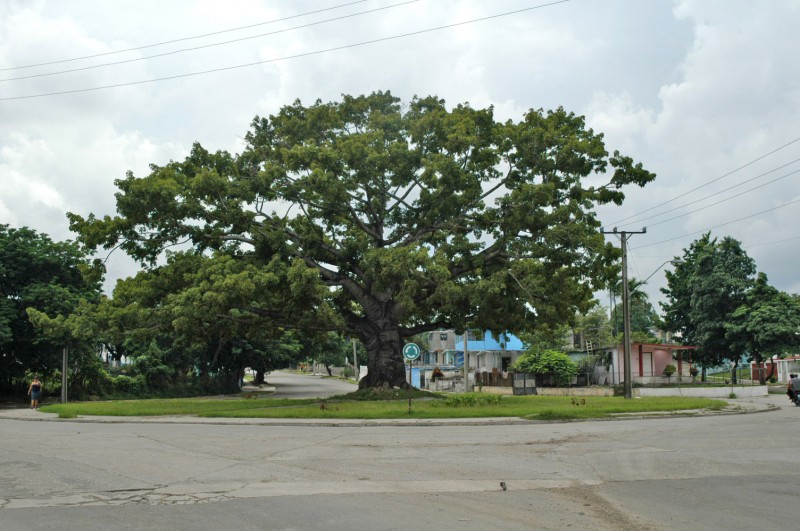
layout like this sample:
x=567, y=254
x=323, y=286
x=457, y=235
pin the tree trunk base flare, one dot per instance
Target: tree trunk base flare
x=385, y=363
x=366, y=383
x=385, y=369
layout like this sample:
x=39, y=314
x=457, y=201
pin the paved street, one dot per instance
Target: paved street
x=716, y=472
x=290, y=385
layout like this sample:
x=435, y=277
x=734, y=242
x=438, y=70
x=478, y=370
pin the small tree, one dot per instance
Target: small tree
x=548, y=362
x=669, y=370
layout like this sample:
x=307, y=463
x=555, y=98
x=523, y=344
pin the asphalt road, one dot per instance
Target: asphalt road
x=290, y=385
x=719, y=472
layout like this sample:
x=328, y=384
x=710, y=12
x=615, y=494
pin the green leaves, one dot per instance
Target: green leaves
x=40, y=278
x=396, y=218
x=766, y=324
x=716, y=304
x=548, y=362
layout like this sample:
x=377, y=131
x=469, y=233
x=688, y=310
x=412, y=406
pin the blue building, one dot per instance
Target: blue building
x=487, y=352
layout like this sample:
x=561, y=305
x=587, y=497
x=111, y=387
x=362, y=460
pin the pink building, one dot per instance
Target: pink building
x=648, y=361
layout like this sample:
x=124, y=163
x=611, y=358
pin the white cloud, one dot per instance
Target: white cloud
x=693, y=89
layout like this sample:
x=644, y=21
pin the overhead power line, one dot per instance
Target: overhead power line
x=182, y=39
x=295, y=56
x=717, y=193
x=720, y=225
x=765, y=155
x=761, y=244
x=726, y=199
x=212, y=45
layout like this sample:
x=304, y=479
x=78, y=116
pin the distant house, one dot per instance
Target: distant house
x=440, y=342
x=778, y=368
x=648, y=361
x=484, y=351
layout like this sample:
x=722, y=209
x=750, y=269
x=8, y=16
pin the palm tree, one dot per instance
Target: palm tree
x=636, y=295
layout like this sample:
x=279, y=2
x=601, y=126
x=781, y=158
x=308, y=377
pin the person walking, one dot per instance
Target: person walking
x=35, y=392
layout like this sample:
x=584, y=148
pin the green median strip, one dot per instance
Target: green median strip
x=430, y=407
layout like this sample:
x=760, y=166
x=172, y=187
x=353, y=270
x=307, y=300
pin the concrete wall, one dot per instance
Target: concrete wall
x=575, y=391
x=704, y=392
x=494, y=390
x=553, y=391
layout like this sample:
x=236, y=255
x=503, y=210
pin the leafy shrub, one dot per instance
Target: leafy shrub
x=126, y=385
x=669, y=370
x=548, y=362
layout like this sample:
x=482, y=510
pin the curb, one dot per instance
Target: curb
x=368, y=423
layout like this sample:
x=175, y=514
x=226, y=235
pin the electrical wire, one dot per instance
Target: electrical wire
x=724, y=200
x=772, y=242
x=182, y=39
x=194, y=48
x=717, y=193
x=704, y=185
x=718, y=226
x=295, y=56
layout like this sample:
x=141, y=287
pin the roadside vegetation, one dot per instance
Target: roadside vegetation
x=424, y=406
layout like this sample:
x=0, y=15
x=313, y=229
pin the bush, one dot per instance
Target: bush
x=473, y=400
x=669, y=370
x=548, y=362
x=128, y=386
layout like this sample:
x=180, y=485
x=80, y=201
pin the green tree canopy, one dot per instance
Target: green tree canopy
x=594, y=327
x=410, y=215
x=644, y=317
x=39, y=274
x=704, y=292
x=551, y=363
x=766, y=324
x=213, y=314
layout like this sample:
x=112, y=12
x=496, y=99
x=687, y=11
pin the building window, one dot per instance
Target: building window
x=443, y=337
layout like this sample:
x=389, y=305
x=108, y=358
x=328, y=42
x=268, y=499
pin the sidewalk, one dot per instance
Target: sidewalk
x=736, y=407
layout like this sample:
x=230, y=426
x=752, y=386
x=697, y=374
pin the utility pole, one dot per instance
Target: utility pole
x=623, y=236
x=64, y=382
x=355, y=359
x=466, y=361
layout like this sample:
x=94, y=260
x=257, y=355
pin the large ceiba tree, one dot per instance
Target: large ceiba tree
x=412, y=216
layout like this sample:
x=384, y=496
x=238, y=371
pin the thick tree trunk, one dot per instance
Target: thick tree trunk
x=385, y=367
x=763, y=375
x=259, y=378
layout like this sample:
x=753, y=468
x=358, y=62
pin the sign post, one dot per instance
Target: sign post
x=410, y=353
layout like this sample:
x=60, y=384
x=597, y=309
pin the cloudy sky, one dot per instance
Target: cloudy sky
x=705, y=93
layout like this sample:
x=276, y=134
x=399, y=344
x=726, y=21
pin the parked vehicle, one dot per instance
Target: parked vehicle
x=793, y=389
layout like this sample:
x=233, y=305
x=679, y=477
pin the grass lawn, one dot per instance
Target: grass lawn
x=451, y=406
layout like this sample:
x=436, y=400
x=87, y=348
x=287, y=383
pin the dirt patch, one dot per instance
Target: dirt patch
x=587, y=497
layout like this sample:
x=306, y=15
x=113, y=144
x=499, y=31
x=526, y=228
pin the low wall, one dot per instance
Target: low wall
x=575, y=391
x=741, y=391
x=552, y=391
x=495, y=390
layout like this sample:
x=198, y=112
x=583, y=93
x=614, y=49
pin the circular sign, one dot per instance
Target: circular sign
x=411, y=351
